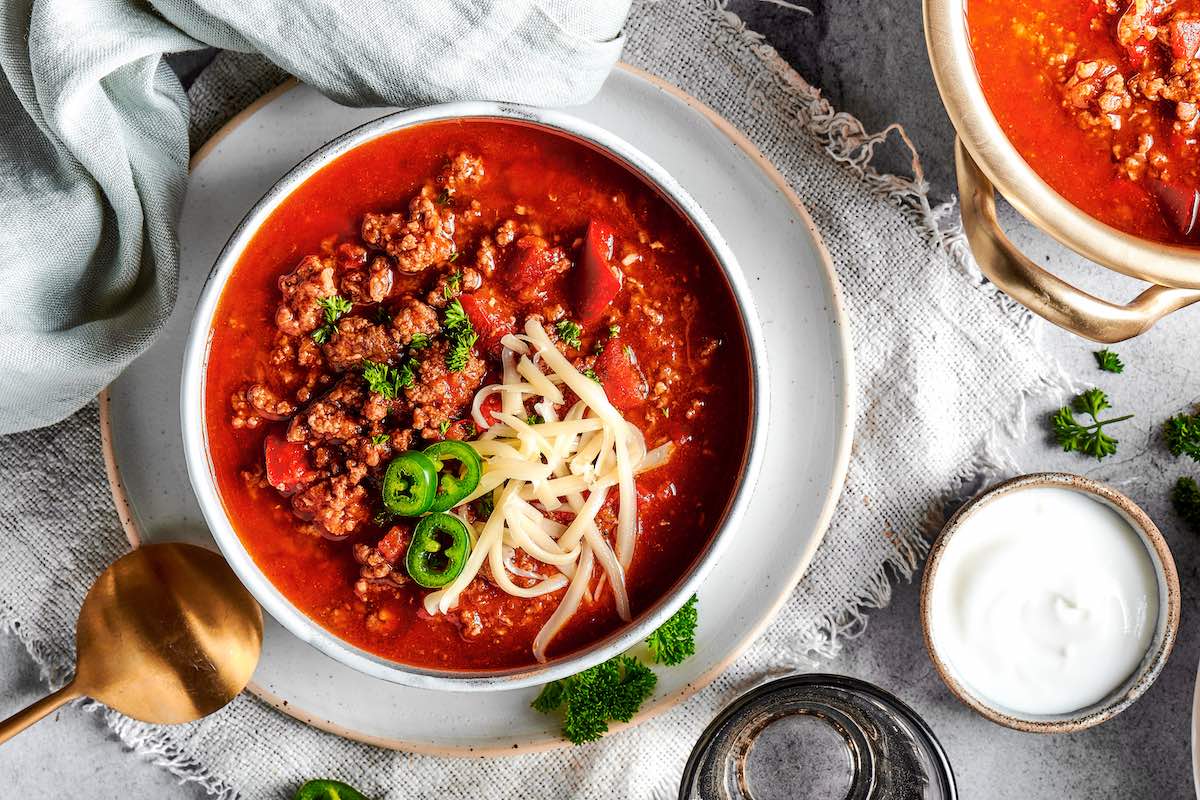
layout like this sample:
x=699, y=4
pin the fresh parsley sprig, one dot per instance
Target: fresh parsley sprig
x=386, y=380
x=1089, y=439
x=1182, y=433
x=1109, y=361
x=335, y=307
x=1185, y=497
x=675, y=641
x=614, y=690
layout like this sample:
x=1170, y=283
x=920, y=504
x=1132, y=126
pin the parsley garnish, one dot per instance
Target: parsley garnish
x=379, y=438
x=569, y=332
x=443, y=427
x=614, y=331
x=534, y=419
x=453, y=257
x=1089, y=439
x=453, y=284
x=676, y=639
x=1182, y=433
x=590, y=373
x=461, y=335
x=385, y=380
x=334, y=307
x=1109, y=361
x=1185, y=497
x=419, y=341
x=614, y=690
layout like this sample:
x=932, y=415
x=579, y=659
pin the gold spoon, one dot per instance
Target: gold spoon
x=166, y=635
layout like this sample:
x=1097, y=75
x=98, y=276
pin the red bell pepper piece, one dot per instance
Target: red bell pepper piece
x=289, y=466
x=1185, y=37
x=623, y=382
x=1179, y=204
x=598, y=279
x=491, y=319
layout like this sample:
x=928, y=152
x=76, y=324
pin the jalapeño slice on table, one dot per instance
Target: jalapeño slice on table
x=438, y=551
x=458, y=468
x=410, y=484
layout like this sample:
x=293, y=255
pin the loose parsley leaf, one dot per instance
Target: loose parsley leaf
x=443, y=427
x=614, y=331
x=1109, y=361
x=453, y=284
x=1182, y=433
x=419, y=341
x=588, y=372
x=534, y=419
x=675, y=641
x=335, y=307
x=614, y=690
x=379, y=438
x=1091, y=438
x=569, y=332
x=1185, y=497
x=454, y=256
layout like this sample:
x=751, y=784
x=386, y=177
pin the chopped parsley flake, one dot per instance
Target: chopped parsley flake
x=386, y=380
x=419, y=341
x=569, y=332
x=1185, y=497
x=335, y=307
x=614, y=331
x=443, y=427
x=590, y=373
x=534, y=419
x=453, y=284
x=461, y=335
x=379, y=438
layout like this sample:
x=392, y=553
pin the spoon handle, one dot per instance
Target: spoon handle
x=26, y=717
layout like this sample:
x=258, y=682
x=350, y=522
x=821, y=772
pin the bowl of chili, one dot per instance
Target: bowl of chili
x=1082, y=115
x=617, y=326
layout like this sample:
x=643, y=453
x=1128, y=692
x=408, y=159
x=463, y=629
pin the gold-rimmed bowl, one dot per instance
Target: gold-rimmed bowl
x=986, y=161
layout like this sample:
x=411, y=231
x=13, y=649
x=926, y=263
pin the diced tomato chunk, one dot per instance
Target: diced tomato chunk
x=623, y=382
x=1185, y=38
x=535, y=263
x=491, y=319
x=597, y=280
x=1179, y=204
x=490, y=407
x=289, y=466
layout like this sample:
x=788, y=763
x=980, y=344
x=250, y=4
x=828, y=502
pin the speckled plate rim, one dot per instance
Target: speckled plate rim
x=1166, y=627
x=662, y=704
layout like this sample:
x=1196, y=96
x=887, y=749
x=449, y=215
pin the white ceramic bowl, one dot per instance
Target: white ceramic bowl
x=195, y=436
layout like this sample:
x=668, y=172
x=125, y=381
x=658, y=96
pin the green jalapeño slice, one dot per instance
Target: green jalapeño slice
x=410, y=484
x=438, y=551
x=458, y=469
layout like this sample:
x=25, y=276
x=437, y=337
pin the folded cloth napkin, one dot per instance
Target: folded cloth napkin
x=942, y=361
x=94, y=149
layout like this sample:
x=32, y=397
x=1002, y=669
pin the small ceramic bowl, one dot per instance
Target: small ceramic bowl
x=1166, y=627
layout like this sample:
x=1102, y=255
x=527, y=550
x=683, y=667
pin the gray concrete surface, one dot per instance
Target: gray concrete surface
x=869, y=58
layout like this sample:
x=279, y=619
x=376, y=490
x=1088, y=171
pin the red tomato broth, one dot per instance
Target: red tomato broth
x=679, y=504
x=1015, y=44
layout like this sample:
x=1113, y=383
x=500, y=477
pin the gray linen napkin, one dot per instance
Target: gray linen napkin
x=94, y=145
x=926, y=332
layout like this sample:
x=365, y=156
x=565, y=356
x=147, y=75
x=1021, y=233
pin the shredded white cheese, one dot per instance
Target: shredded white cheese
x=559, y=464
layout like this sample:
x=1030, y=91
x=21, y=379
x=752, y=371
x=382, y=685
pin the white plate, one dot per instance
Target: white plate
x=808, y=447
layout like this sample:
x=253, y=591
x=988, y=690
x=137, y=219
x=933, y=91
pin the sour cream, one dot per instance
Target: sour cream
x=1044, y=601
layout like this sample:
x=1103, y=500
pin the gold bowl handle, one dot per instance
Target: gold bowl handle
x=1044, y=294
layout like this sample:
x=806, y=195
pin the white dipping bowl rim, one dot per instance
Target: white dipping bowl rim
x=195, y=433
x=1165, y=631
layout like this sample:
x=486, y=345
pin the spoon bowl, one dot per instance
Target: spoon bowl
x=167, y=634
